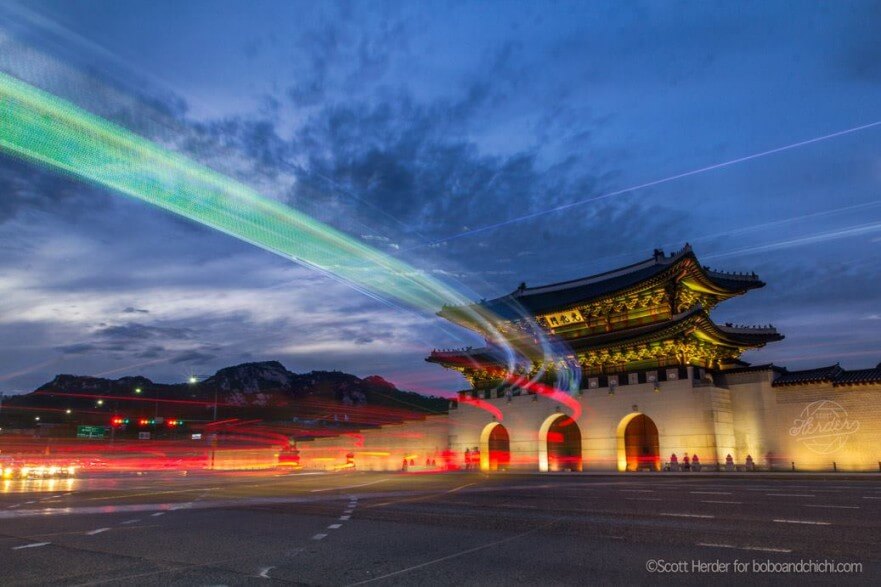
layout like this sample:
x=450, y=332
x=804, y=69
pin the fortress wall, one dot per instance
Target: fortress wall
x=819, y=424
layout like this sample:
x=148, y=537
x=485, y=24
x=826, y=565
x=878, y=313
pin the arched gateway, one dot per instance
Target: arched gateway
x=559, y=444
x=638, y=444
x=495, y=448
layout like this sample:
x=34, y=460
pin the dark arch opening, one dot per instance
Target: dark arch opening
x=564, y=445
x=499, y=449
x=641, y=445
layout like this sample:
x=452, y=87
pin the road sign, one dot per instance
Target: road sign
x=143, y=436
x=91, y=431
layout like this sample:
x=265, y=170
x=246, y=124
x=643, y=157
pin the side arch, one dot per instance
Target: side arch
x=638, y=443
x=495, y=447
x=559, y=444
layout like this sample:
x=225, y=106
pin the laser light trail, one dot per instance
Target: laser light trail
x=653, y=183
x=43, y=128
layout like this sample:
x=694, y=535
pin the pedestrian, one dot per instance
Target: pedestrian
x=729, y=463
x=750, y=465
x=467, y=459
x=674, y=462
x=695, y=464
x=404, y=466
x=686, y=463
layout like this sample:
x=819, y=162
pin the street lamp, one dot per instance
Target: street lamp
x=100, y=402
x=68, y=411
x=138, y=390
x=193, y=379
x=36, y=418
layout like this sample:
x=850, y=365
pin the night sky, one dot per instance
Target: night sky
x=409, y=125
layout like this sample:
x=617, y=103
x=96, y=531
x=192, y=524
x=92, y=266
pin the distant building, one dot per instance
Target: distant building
x=621, y=370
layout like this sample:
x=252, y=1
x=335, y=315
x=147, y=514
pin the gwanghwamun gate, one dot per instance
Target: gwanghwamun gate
x=658, y=378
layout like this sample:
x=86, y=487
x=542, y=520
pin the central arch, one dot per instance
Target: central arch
x=559, y=444
x=495, y=448
x=638, y=443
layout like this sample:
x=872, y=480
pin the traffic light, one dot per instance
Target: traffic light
x=173, y=423
x=118, y=421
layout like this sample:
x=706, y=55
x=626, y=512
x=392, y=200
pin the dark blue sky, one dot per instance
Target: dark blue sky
x=409, y=123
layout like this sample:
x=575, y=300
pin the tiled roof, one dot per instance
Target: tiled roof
x=833, y=374
x=858, y=376
x=537, y=300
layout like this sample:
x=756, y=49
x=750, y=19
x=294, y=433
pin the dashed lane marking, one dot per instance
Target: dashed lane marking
x=811, y=522
x=454, y=490
x=643, y=498
x=31, y=545
x=720, y=501
x=157, y=514
x=790, y=495
x=264, y=572
x=345, y=517
x=334, y=526
x=687, y=515
x=129, y=495
x=135, y=521
x=319, y=536
x=712, y=492
x=758, y=548
x=348, y=486
x=455, y=554
x=98, y=531
x=839, y=507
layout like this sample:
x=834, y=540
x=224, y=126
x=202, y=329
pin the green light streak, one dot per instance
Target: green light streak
x=38, y=126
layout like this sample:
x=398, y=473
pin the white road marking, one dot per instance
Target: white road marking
x=319, y=536
x=864, y=497
x=790, y=495
x=349, y=511
x=841, y=507
x=12, y=507
x=803, y=522
x=688, y=515
x=29, y=502
x=264, y=572
x=135, y=521
x=345, y=517
x=454, y=490
x=642, y=498
x=454, y=555
x=720, y=501
x=638, y=490
x=98, y=531
x=31, y=545
x=759, y=548
x=157, y=514
x=334, y=526
x=712, y=492
x=349, y=486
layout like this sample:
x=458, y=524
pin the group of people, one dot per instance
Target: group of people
x=472, y=459
x=694, y=463
x=412, y=463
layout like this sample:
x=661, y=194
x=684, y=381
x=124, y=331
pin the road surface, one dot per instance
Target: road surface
x=450, y=529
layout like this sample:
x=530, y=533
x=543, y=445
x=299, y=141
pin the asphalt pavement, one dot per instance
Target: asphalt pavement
x=440, y=529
